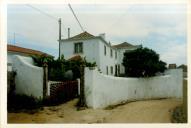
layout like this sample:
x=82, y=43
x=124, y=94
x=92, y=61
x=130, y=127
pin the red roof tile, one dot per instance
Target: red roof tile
x=84, y=35
x=76, y=58
x=27, y=51
x=122, y=45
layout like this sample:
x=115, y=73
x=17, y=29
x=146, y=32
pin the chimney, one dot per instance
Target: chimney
x=68, y=32
x=102, y=35
x=172, y=66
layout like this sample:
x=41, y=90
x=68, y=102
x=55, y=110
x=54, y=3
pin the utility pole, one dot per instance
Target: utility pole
x=59, y=22
x=14, y=38
x=68, y=32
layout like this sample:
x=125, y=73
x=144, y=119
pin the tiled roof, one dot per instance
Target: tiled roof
x=123, y=45
x=184, y=67
x=75, y=58
x=84, y=35
x=26, y=51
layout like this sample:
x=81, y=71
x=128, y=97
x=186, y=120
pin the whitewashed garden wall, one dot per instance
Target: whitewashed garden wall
x=102, y=90
x=29, y=78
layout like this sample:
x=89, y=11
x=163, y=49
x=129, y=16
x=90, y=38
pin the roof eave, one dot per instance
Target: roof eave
x=95, y=37
x=26, y=51
x=134, y=46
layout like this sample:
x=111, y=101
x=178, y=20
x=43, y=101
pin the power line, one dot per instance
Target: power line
x=50, y=16
x=44, y=13
x=76, y=17
x=53, y=17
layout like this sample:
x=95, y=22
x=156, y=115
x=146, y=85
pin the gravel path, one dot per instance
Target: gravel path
x=150, y=111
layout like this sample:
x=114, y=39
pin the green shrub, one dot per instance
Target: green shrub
x=18, y=102
x=58, y=99
x=51, y=101
x=57, y=68
x=40, y=60
x=142, y=62
x=178, y=115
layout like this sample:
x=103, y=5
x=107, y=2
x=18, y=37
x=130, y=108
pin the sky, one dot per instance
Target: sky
x=162, y=28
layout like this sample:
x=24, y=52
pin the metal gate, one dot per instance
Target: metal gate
x=63, y=91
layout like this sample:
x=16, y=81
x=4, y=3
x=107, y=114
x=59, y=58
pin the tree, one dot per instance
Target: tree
x=142, y=62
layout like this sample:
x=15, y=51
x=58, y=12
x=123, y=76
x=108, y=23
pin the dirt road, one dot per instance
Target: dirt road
x=150, y=111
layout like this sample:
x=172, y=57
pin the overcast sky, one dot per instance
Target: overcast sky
x=159, y=27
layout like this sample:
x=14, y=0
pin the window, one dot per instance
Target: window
x=111, y=52
x=104, y=50
x=118, y=69
x=107, y=70
x=78, y=47
x=111, y=69
x=115, y=54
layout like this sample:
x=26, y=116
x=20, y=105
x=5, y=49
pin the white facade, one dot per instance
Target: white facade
x=96, y=49
x=93, y=50
x=102, y=90
x=121, y=52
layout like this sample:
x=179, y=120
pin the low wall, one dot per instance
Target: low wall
x=29, y=78
x=49, y=85
x=102, y=90
x=185, y=98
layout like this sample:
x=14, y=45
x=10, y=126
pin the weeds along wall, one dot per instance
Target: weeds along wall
x=102, y=90
x=29, y=78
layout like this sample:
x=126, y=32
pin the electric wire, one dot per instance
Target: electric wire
x=42, y=12
x=76, y=17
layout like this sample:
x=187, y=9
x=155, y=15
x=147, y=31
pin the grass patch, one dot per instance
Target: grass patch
x=178, y=116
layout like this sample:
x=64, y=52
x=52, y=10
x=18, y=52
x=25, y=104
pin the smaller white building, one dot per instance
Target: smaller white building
x=121, y=49
x=96, y=49
x=29, y=78
x=25, y=52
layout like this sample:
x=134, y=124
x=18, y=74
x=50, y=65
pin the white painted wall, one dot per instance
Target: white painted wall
x=120, y=60
x=107, y=60
x=29, y=78
x=93, y=50
x=102, y=90
x=90, y=49
x=10, y=55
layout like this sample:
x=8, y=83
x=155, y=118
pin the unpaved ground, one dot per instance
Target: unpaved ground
x=150, y=111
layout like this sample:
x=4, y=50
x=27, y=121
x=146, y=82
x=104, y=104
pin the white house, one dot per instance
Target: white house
x=96, y=49
x=16, y=50
x=121, y=49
